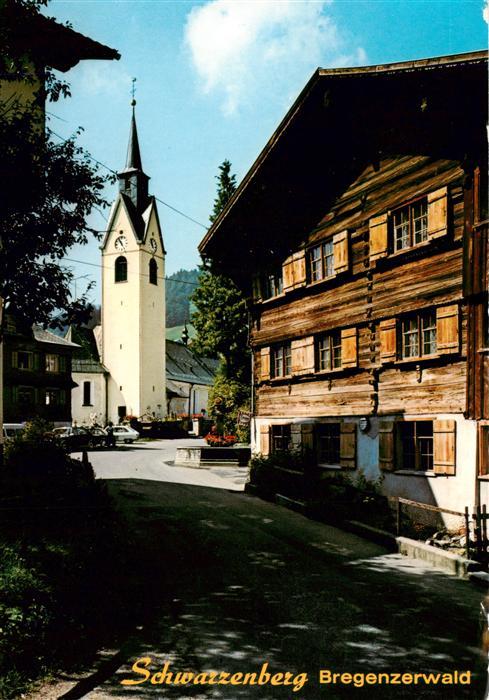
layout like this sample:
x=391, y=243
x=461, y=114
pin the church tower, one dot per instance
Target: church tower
x=133, y=296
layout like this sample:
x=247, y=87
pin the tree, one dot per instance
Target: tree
x=179, y=288
x=225, y=189
x=221, y=316
x=48, y=190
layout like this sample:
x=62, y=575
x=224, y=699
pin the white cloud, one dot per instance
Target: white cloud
x=103, y=78
x=485, y=11
x=240, y=48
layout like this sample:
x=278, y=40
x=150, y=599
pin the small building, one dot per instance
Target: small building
x=89, y=395
x=188, y=379
x=360, y=238
x=37, y=375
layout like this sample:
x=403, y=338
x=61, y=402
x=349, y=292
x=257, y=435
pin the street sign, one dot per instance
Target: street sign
x=244, y=419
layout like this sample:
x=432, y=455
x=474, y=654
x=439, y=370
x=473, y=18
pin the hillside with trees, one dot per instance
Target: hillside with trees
x=179, y=288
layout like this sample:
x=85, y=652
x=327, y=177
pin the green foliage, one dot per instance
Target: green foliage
x=221, y=323
x=226, y=398
x=221, y=315
x=178, y=295
x=48, y=191
x=226, y=187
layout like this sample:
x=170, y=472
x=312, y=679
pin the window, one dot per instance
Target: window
x=328, y=443
x=280, y=438
x=23, y=359
x=329, y=352
x=272, y=284
x=282, y=360
x=419, y=335
x=153, y=271
x=26, y=395
x=410, y=225
x=87, y=393
x=121, y=269
x=52, y=363
x=321, y=261
x=416, y=441
x=55, y=397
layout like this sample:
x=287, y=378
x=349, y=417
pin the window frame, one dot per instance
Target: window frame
x=325, y=261
x=118, y=278
x=272, y=283
x=415, y=450
x=285, y=434
x=84, y=393
x=333, y=341
x=335, y=459
x=411, y=233
x=30, y=360
x=286, y=350
x=421, y=318
x=153, y=272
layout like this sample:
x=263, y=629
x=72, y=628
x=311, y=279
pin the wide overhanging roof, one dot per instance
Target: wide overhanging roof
x=343, y=120
x=58, y=46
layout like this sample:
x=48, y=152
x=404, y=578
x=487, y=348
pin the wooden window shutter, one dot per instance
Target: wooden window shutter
x=296, y=436
x=386, y=445
x=388, y=340
x=348, y=445
x=36, y=360
x=294, y=271
x=62, y=363
x=15, y=394
x=438, y=213
x=265, y=364
x=378, y=237
x=341, y=252
x=288, y=274
x=447, y=329
x=256, y=287
x=349, y=348
x=303, y=355
x=264, y=440
x=15, y=358
x=307, y=436
x=444, y=454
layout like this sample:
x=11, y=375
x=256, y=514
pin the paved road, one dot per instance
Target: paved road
x=231, y=582
x=154, y=460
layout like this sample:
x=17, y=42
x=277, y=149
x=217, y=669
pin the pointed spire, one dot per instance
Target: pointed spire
x=133, y=160
x=133, y=182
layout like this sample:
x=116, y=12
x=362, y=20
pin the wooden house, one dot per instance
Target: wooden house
x=359, y=236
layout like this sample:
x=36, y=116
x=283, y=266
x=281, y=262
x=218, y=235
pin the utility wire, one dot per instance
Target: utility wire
x=114, y=172
x=141, y=274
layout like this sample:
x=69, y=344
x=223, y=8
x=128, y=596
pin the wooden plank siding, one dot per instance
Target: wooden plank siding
x=427, y=276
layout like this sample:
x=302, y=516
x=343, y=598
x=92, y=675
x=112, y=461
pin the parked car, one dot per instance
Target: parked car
x=77, y=438
x=124, y=433
x=12, y=430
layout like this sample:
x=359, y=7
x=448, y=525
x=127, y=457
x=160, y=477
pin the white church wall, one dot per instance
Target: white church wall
x=85, y=414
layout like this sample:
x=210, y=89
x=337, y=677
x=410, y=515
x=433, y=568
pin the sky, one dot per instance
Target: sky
x=213, y=81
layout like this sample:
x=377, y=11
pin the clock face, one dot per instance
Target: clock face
x=153, y=245
x=121, y=243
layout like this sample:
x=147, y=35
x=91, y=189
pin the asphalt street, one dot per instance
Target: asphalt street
x=233, y=582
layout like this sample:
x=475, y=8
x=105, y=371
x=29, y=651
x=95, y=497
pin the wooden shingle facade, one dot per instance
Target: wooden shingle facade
x=361, y=232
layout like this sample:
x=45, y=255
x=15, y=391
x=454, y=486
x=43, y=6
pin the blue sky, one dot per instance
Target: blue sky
x=215, y=78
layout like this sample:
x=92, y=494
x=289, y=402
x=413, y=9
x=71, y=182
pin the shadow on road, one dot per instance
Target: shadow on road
x=228, y=582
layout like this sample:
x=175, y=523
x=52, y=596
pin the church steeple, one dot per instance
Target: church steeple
x=133, y=182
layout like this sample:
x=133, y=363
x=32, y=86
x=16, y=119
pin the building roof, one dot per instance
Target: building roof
x=343, y=120
x=86, y=357
x=175, y=332
x=184, y=366
x=56, y=45
x=44, y=336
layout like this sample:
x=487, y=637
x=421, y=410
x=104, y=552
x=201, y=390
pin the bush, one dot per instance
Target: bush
x=35, y=465
x=226, y=398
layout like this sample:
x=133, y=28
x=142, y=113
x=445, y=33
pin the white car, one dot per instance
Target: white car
x=124, y=433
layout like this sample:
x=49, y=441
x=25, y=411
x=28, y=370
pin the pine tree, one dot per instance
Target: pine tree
x=225, y=189
x=221, y=316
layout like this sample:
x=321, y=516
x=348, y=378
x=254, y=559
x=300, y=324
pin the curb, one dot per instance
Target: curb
x=452, y=563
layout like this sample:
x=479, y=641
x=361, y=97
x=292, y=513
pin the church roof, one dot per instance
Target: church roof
x=86, y=357
x=133, y=159
x=184, y=366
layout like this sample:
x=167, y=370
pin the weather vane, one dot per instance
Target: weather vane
x=133, y=92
